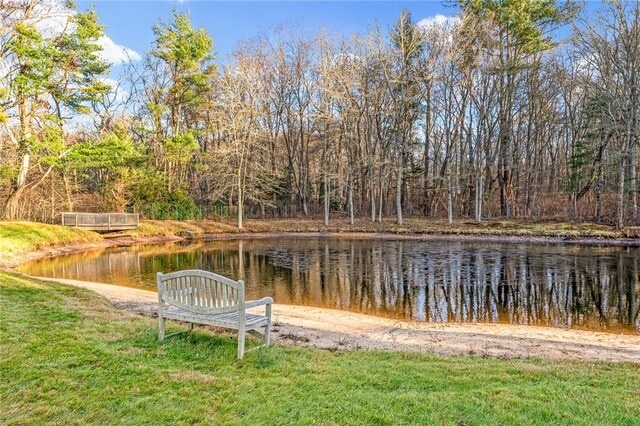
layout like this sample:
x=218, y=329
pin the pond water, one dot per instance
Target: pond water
x=568, y=286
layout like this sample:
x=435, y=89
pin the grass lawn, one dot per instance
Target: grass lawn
x=21, y=237
x=68, y=357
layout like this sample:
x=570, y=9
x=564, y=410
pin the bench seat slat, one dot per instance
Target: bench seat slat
x=229, y=320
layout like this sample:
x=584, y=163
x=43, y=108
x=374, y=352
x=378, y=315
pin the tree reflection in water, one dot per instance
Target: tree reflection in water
x=438, y=281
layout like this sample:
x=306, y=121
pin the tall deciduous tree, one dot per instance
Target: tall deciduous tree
x=51, y=76
x=610, y=46
x=521, y=29
x=403, y=88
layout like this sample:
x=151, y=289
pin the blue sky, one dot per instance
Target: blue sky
x=128, y=23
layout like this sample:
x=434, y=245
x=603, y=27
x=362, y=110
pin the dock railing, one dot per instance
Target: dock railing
x=101, y=221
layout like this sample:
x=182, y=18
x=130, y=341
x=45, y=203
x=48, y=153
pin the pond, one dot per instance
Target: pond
x=557, y=285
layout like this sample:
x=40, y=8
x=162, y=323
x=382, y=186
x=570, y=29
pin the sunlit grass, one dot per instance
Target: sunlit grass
x=68, y=357
x=21, y=237
x=152, y=228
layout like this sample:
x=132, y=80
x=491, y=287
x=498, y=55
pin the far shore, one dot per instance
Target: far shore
x=161, y=232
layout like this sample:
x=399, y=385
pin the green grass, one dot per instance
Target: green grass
x=154, y=228
x=21, y=237
x=68, y=357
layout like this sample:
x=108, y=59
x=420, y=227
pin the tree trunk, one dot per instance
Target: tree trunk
x=449, y=200
x=399, y=190
x=326, y=198
x=479, y=195
x=381, y=197
x=351, y=212
x=17, y=190
x=240, y=203
x=620, y=219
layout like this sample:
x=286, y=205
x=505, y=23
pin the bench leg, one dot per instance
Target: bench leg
x=160, y=327
x=267, y=334
x=191, y=326
x=241, y=334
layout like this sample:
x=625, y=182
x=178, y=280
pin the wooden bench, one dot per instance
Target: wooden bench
x=201, y=297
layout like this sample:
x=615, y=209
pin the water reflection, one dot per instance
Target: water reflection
x=438, y=281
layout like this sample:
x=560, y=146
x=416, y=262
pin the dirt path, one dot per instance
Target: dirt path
x=333, y=329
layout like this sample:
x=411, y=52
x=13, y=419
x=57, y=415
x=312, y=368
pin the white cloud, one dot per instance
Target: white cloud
x=115, y=53
x=51, y=18
x=439, y=21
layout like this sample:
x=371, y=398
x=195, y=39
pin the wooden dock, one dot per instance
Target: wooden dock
x=101, y=221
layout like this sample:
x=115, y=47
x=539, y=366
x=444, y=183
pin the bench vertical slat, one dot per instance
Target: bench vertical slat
x=223, y=297
x=191, y=291
x=209, y=292
x=212, y=289
x=197, y=293
x=214, y=293
x=176, y=290
x=206, y=292
x=207, y=285
x=174, y=286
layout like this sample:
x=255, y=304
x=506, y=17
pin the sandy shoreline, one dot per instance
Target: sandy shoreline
x=339, y=330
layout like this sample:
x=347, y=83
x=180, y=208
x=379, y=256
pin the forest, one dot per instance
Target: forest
x=519, y=110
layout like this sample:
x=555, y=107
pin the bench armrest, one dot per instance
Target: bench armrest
x=254, y=303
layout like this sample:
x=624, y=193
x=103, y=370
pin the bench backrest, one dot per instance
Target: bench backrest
x=201, y=292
